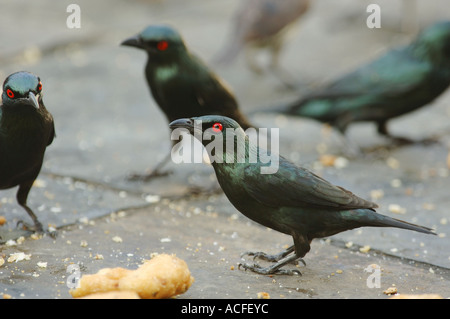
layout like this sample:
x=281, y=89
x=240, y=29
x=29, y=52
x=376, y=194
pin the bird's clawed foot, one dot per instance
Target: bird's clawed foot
x=37, y=228
x=279, y=260
x=269, y=270
x=148, y=177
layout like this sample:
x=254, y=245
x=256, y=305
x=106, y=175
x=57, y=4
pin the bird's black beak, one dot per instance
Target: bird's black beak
x=133, y=42
x=32, y=100
x=183, y=123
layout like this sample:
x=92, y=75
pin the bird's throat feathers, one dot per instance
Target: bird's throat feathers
x=166, y=71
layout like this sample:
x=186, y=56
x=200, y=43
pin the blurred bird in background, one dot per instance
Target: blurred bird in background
x=399, y=82
x=262, y=24
x=181, y=83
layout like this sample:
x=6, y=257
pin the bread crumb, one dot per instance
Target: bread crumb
x=365, y=249
x=163, y=276
x=390, y=291
x=263, y=295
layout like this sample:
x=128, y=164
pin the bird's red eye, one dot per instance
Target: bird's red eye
x=39, y=88
x=217, y=127
x=10, y=93
x=162, y=45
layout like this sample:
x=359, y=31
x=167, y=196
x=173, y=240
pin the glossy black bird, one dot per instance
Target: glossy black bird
x=180, y=83
x=397, y=83
x=262, y=24
x=289, y=199
x=26, y=129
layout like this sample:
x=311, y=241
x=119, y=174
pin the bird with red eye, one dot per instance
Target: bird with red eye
x=10, y=93
x=39, y=87
x=217, y=127
x=162, y=45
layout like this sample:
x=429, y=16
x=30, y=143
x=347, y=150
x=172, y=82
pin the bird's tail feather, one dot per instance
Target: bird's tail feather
x=393, y=222
x=379, y=220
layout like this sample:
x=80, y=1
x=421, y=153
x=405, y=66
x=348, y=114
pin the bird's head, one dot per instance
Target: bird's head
x=223, y=138
x=207, y=126
x=157, y=40
x=22, y=88
x=434, y=42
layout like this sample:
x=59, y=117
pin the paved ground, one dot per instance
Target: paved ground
x=108, y=126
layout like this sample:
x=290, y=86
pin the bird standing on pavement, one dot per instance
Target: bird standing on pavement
x=26, y=129
x=180, y=83
x=262, y=24
x=291, y=200
x=398, y=82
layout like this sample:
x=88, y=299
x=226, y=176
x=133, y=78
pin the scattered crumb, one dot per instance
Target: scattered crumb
x=36, y=236
x=333, y=160
x=349, y=244
x=263, y=295
x=42, y=264
x=376, y=194
x=339, y=271
x=83, y=243
x=2, y=261
x=396, y=183
x=39, y=183
x=6, y=296
x=152, y=198
x=16, y=257
x=391, y=291
x=393, y=163
x=2, y=220
x=231, y=268
x=365, y=249
x=396, y=209
x=117, y=239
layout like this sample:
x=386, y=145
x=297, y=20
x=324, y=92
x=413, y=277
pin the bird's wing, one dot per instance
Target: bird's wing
x=292, y=186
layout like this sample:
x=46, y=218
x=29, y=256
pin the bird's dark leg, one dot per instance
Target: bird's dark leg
x=22, y=195
x=155, y=173
x=275, y=268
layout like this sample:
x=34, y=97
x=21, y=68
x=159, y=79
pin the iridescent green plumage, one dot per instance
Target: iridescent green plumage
x=291, y=200
x=26, y=129
x=398, y=82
